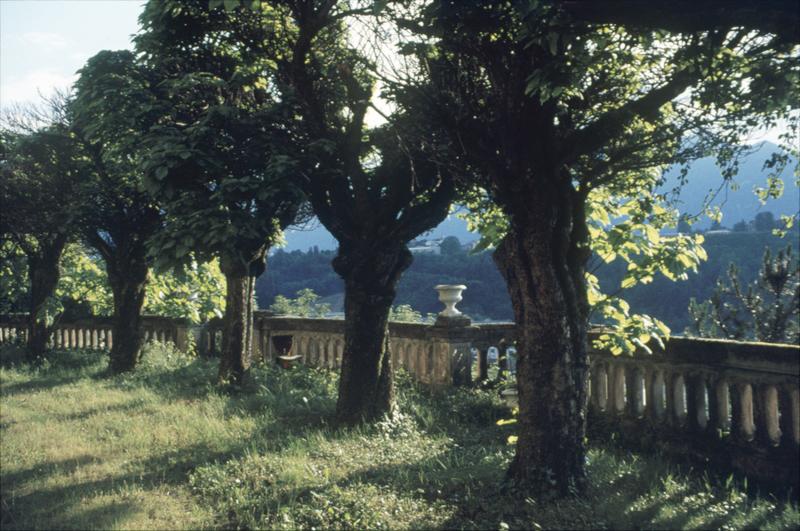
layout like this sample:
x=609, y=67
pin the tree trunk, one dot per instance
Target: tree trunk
x=44, y=271
x=237, y=328
x=542, y=260
x=370, y=273
x=127, y=275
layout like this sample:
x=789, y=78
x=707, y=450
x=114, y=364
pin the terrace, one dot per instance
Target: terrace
x=728, y=405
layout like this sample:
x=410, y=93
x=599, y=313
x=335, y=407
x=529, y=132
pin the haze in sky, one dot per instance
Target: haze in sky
x=44, y=42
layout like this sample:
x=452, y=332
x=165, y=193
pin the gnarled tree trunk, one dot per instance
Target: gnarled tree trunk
x=44, y=271
x=237, y=328
x=370, y=273
x=127, y=275
x=542, y=259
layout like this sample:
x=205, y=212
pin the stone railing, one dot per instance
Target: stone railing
x=96, y=333
x=726, y=402
x=438, y=355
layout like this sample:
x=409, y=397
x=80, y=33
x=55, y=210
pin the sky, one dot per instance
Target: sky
x=44, y=42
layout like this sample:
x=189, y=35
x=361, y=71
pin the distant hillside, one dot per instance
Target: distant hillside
x=486, y=297
x=704, y=178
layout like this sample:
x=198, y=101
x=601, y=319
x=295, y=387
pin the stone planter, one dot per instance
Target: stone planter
x=450, y=295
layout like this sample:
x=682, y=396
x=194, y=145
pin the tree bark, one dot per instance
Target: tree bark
x=127, y=275
x=44, y=271
x=542, y=260
x=237, y=328
x=370, y=273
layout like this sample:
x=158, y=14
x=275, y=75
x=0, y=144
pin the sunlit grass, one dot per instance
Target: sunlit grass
x=165, y=448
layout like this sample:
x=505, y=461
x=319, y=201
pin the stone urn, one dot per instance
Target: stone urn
x=283, y=346
x=450, y=295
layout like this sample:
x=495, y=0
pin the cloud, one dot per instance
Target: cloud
x=27, y=88
x=47, y=41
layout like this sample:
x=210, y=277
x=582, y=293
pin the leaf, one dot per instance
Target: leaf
x=552, y=42
x=652, y=234
x=230, y=5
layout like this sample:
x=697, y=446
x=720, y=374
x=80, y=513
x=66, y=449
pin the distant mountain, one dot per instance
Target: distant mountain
x=704, y=178
x=317, y=235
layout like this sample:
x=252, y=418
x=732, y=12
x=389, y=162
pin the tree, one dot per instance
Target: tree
x=372, y=188
x=39, y=175
x=305, y=304
x=217, y=158
x=767, y=310
x=740, y=226
x=764, y=222
x=571, y=109
x=450, y=246
x=109, y=121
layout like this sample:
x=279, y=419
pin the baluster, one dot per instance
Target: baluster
x=650, y=393
x=483, y=363
x=723, y=404
x=640, y=391
x=617, y=388
x=109, y=338
x=770, y=422
x=634, y=390
x=599, y=387
x=714, y=421
x=742, y=406
x=695, y=403
x=765, y=422
x=669, y=398
x=789, y=403
x=679, y=410
x=502, y=358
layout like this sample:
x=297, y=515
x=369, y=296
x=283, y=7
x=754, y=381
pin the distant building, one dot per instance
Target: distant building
x=425, y=246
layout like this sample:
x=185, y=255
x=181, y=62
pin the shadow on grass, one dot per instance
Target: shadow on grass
x=44, y=507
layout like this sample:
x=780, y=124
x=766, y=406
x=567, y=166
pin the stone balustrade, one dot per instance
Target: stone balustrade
x=731, y=403
x=437, y=355
x=96, y=333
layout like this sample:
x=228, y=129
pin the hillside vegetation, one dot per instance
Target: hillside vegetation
x=486, y=297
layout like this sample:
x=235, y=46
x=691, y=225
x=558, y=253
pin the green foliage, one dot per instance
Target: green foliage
x=216, y=158
x=305, y=304
x=13, y=279
x=195, y=291
x=83, y=287
x=404, y=313
x=768, y=309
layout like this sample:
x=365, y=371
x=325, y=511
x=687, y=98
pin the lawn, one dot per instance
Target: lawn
x=165, y=448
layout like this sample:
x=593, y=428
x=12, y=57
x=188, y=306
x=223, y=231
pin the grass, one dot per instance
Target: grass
x=165, y=448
